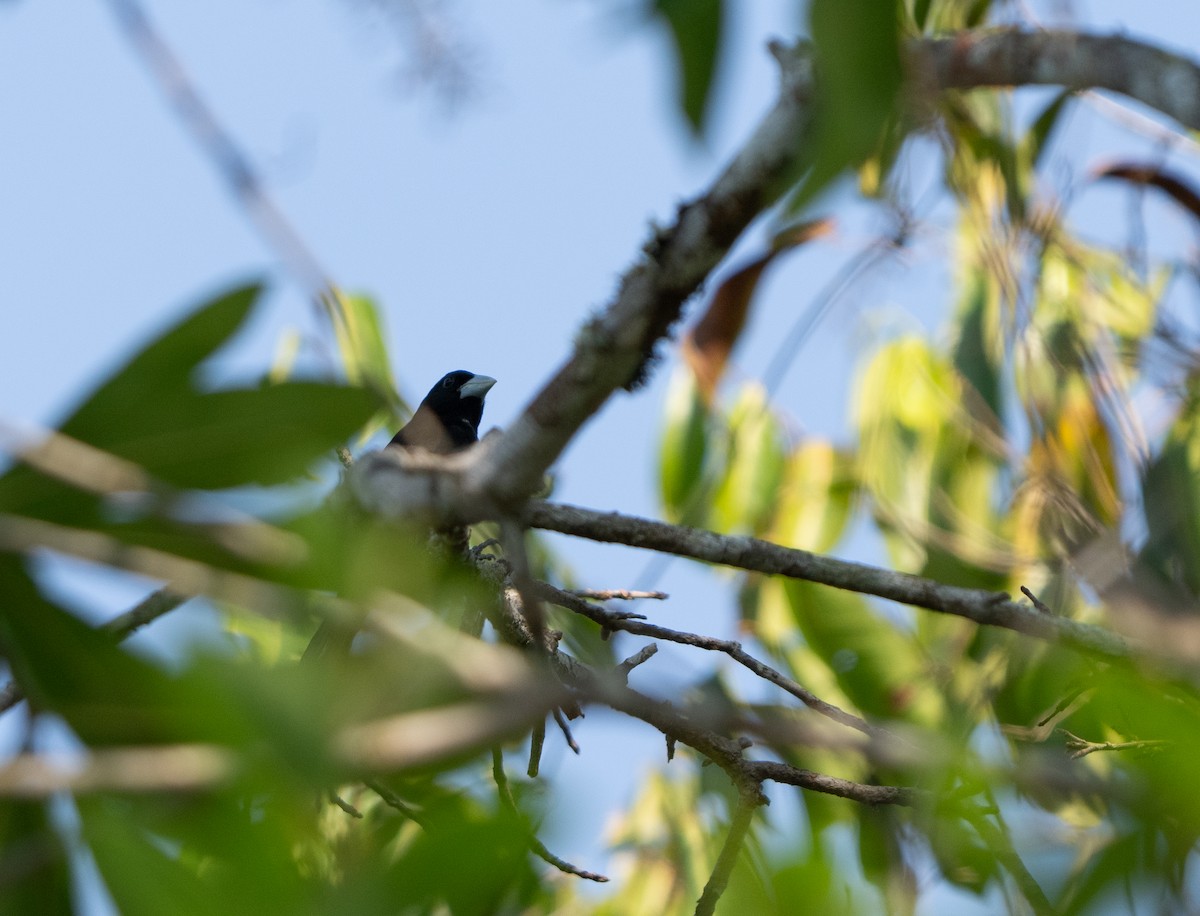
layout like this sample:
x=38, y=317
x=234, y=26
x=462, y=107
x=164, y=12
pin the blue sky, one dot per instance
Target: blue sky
x=487, y=233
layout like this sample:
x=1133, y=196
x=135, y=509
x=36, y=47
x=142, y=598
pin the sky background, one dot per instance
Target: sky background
x=487, y=227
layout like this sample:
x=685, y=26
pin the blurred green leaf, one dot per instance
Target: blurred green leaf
x=34, y=874
x=683, y=449
x=876, y=665
x=745, y=497
x=492, y=844
x=816, y=497
x=976, y=356
x=105, y=694
x=859, y=76
x=151, y=413
x=1037, y=140
x=697, y=30
x=227, y=439
x=362, y=345
x=143, y=876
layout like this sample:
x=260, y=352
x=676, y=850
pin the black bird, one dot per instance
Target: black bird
x=446, y=421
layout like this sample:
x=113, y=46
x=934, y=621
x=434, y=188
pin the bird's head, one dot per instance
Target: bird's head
x=457, y=401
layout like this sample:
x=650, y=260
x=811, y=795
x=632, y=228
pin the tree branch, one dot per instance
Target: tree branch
x=693, y=727
x=535, y=845
x=734, y=650
x=1008, y=57
x=987, y=608
x=611, y=350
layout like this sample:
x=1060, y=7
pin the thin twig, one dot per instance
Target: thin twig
x=230, y=163
x=1037, y=602
x=743, y=814
x=336, y=799
x=535, y=845
x=680, y=727
x=734, y=650
x=997, y=840
x=640, y=658
x=1081, y=747
x=513, y=538
x=566, y=730
x=392, y=800
x=537, y=741
x=617, y=594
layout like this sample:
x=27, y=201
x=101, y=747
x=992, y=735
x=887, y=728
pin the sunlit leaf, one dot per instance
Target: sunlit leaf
x=816, y=497
x=745, y=498
x=363, y=348
x=684, y=447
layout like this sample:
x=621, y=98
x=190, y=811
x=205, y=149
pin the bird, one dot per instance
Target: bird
x=446, y=421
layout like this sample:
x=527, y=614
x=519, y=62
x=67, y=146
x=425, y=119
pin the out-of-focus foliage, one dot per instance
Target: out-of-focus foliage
x=136, y=478
x=1009, y=448
x=697, y=29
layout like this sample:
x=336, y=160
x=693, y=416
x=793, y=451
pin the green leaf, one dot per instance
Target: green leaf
x=684, y=448
x=232, y=438
x=745, y=499
x=976, y=353
x=362, y=345
x=144, y=878
x=34, y=877
x=876, y=665
x=697, y=30
x=816, y=497
x=1171, y=497
x=105, y=694
x=429, y=877
x=1037, y=139
x=859, y=77
x=152, y=413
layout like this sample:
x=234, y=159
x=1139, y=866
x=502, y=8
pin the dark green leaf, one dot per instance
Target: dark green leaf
x=975, y=354
x=233, y=438
x=859, y=76
x=144, y=877
x=105, y=694
x=34, y=877
x=1037, y=140
x=684, y=447
x=697, y=30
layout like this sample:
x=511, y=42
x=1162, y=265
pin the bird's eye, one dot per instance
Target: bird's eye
x=448, y=382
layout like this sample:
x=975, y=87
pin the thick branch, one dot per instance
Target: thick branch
x=988, y=608
x=1142, y=72
x=611, y=350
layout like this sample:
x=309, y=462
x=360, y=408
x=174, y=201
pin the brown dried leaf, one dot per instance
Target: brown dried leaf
x=1172, y=185
x=706, y=347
